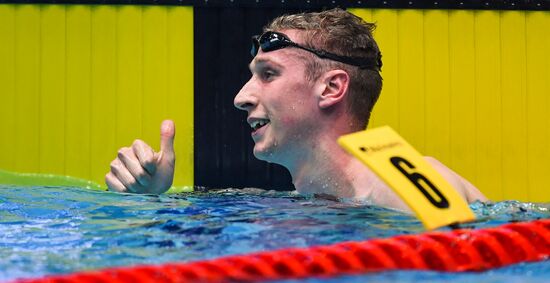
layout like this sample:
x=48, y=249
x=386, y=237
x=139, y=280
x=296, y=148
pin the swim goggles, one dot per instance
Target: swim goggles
x=271, y=41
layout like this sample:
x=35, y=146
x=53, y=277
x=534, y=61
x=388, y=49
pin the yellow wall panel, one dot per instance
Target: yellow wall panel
x=129, y=60
x=78, y=91
x=544, y=193
x=180, y=89
x=52, y=83
x=411, y=77
x=488, y=104
x=462, y=87
x=103, y=90
x=26, y=143
x=386, y=110
x=547, y=88
x=155, y=72
x=471, y=88
x=437, y=84
x=365, y=14
x=514, y=116
x=77, y=82
x=537, y=38
x=7, y=86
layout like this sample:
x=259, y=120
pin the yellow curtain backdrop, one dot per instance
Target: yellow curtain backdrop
x=471, y=88
x=77, y=82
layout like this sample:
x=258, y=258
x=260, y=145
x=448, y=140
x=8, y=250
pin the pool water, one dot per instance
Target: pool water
x=54, y=230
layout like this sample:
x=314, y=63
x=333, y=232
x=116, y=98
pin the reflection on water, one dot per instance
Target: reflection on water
x=48, y=230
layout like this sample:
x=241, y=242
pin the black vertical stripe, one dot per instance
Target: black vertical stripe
x=223, y=146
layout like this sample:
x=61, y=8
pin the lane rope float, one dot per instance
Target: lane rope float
x=451, y=251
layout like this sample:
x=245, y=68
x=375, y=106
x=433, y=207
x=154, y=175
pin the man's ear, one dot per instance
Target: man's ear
x=333, y=88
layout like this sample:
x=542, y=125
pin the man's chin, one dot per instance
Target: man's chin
x=263, y=154
x=259, y=154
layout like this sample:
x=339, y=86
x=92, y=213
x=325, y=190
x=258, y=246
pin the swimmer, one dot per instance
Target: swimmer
x=315, y=77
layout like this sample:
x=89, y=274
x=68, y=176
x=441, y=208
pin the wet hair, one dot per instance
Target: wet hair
x=339, y=32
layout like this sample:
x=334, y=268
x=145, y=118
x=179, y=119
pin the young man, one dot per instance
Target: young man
x=315, y=77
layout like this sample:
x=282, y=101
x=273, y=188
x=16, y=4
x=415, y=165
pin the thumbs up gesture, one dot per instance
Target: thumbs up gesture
x=139, y=169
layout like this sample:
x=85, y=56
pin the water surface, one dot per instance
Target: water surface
x=53, y=230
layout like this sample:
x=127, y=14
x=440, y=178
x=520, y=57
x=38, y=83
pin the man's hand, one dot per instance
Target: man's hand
x=138, y=169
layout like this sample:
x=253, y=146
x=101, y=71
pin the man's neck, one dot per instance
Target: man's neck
x=330, y=170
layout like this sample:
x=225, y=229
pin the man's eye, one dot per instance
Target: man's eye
x=268, y=74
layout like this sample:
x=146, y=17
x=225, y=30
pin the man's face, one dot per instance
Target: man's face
x=280, y=103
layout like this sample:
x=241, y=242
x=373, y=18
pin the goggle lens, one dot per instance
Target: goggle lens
x=269, y=41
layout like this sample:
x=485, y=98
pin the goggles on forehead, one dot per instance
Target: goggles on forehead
x=271, y=41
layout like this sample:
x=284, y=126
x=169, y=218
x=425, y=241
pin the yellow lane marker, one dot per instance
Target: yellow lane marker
x=434, y=201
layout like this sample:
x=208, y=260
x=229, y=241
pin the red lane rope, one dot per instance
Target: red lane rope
x=459, y=250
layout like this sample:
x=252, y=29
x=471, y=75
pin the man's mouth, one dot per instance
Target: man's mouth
x=257, y=124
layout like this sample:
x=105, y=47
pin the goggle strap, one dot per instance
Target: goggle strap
x=283, y=41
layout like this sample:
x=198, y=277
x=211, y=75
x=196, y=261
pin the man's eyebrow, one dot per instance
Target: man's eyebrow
x=262, y=62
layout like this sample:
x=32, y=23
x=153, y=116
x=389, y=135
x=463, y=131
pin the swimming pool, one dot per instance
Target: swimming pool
x=53, y=230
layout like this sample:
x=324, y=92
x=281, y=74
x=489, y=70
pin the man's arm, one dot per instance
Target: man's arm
x=465, y=188
x=139, y=169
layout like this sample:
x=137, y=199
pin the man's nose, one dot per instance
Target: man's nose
x=244, y=100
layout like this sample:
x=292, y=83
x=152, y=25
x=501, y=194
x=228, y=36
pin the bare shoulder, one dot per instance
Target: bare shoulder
x=465, y=188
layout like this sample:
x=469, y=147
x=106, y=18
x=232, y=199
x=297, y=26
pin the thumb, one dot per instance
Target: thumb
x=167, y=133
